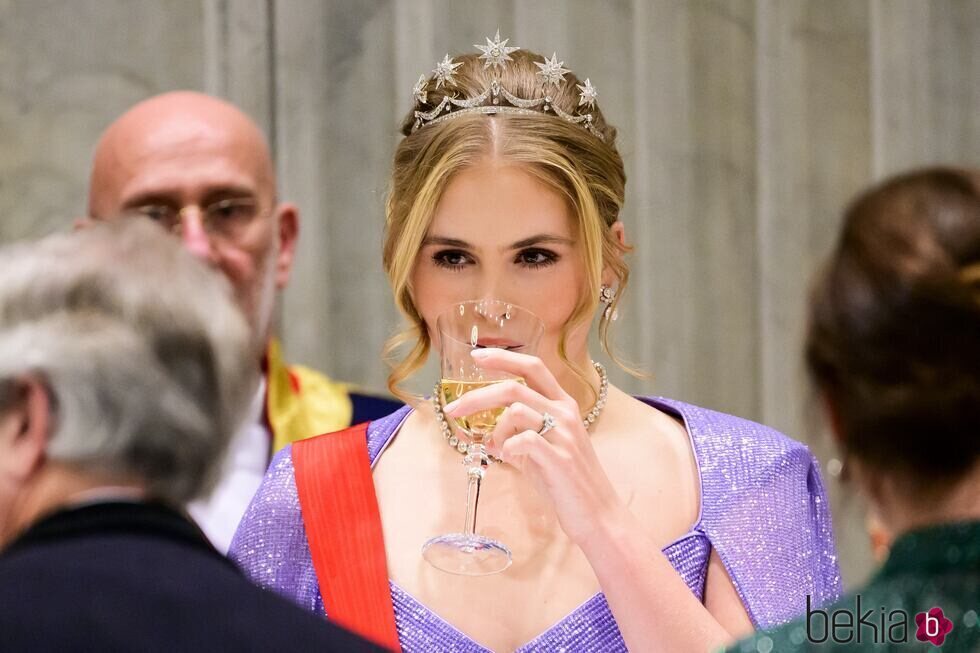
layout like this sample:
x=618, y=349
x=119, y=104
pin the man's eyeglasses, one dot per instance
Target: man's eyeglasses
x=224, y=218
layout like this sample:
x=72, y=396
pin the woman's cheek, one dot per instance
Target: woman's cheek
x=556, y=293
x=556, y=313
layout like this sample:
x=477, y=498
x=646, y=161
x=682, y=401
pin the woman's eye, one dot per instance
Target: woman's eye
x=452, y=259
x=536, y=258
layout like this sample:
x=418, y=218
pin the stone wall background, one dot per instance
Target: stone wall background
x=745, y=125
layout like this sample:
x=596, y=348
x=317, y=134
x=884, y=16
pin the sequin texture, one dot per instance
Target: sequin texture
x=763, y=511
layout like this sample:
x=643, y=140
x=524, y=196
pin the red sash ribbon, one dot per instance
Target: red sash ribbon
x=343, y=528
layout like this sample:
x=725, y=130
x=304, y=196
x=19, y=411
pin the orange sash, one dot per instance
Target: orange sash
x=343, y=528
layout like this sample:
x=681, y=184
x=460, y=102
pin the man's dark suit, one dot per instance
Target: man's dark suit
x=137, y=577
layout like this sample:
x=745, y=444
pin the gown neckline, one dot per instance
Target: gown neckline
x=596, y=599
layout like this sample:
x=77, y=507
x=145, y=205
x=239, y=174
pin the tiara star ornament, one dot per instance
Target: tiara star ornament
x=552, y=71
x=419, y=90
x=495, y=52
x=495, y=98
x=587, y=94
x=444, y=72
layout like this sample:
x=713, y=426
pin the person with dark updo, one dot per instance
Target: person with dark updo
x=894, y=349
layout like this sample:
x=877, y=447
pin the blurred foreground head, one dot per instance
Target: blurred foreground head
x=894, y=337
x=123, y=361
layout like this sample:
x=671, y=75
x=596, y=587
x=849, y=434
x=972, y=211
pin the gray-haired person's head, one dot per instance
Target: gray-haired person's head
x=142, y=350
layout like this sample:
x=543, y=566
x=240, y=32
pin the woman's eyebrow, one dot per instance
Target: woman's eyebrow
x=541, y=239
x=448, y=242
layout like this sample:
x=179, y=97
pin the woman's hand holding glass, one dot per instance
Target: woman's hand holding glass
x=562, y=459
x=463, y=328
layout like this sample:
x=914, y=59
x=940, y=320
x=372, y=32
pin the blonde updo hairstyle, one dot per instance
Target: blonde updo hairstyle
x=586, y=170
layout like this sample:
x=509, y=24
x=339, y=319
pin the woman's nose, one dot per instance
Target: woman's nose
x=494, y=282
x=490, y=289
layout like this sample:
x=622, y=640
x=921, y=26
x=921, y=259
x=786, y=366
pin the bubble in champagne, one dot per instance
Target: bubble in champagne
x=474, y=336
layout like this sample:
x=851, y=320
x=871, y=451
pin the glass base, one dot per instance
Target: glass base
x=466, y=555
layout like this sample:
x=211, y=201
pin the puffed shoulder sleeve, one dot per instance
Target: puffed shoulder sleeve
x=270, y=544
x=765, y=512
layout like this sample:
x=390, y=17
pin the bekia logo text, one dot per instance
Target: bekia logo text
x=845, y=626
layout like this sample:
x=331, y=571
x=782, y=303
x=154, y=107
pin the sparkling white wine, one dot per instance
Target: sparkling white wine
x=477, y=425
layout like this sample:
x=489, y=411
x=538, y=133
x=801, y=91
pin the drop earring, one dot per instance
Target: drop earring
x=607, y=296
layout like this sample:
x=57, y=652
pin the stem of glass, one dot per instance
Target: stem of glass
x=476, y=462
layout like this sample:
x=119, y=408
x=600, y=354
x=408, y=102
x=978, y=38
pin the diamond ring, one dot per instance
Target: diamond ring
x=547, y=423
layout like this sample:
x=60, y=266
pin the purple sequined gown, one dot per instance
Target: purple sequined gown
x=763, y=509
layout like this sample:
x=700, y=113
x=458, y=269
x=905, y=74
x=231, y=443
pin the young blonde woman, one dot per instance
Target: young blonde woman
x=656, y=525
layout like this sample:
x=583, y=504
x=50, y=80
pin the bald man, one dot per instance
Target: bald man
x=201, y=169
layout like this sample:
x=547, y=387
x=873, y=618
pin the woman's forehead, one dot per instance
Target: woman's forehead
x=491, y=202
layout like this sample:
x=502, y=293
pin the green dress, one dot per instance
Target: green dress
x=936, y=567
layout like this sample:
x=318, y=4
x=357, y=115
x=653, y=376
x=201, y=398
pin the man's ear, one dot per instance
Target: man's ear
x=25, y=425
x=287, y=226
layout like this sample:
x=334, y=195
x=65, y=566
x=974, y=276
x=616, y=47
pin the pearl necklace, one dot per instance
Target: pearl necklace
x=587, y=421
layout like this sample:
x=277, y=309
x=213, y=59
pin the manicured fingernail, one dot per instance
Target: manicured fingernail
x=451, y=406
x=480, y=353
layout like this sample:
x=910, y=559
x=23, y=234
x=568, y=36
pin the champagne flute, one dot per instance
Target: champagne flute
x=463, y=328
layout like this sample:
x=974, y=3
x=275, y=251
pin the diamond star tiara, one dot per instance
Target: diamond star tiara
x=496, y=55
